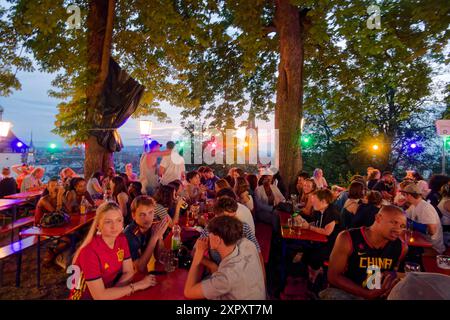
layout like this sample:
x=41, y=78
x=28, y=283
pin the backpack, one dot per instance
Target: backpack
x=54, y=219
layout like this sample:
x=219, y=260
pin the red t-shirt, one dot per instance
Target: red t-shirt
x=97, y=260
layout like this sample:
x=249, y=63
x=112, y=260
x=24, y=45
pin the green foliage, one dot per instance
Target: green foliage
x=12, y=58
x=217, y=60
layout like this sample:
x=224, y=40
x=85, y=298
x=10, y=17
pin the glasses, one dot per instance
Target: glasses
x=290, y=222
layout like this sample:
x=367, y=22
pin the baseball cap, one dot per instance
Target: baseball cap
x=411, y=188
x=154, y=144
x=422, y=286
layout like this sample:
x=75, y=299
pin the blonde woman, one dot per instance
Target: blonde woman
x=319, y=179
x=102, y=256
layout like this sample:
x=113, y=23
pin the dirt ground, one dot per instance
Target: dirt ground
x=53, y=280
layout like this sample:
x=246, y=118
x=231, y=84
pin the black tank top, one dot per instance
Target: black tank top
x=363, y=256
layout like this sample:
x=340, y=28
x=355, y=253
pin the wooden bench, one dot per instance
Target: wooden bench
x=18, y=224
x=16, y=248
x=263, y=233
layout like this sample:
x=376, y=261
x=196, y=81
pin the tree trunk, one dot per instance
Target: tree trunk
x=100, y=27
x=289, y=21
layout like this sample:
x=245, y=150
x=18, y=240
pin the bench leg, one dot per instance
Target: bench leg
x=19, y=268
x=14, y=216
x=38, y=275
x=1, y=273
x=283, y=270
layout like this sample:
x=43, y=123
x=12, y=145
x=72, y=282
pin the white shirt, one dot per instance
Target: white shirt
x=425, y=213
x=321, y=183
x=245, y=215
x=174, y=167
x=261, y=195
x=445, y=214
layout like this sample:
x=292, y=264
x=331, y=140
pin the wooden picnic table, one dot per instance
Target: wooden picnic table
x=11, y=204
x=305, y=234
x=7, y=204
x=77, y=221
x=170, y=286
x=289, y=236
x=417, y=240
x=26, y=195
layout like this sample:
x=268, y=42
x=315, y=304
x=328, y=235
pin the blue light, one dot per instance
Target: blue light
x=19, y=144
x=413, y=145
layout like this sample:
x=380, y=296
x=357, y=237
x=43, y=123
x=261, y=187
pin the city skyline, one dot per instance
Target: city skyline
x=31, y=109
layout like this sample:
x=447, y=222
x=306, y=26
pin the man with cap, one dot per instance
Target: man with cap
x=148, y=167
x=424, y=216
x=172, y=166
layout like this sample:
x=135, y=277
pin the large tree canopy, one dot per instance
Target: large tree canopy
x=217, y=59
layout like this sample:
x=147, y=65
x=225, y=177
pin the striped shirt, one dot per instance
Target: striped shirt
x=247, y=233
x=160, y=211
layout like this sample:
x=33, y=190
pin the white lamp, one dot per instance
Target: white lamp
x=145, y=127
x=4, y=128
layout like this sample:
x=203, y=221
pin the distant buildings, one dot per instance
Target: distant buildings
x=12, y=149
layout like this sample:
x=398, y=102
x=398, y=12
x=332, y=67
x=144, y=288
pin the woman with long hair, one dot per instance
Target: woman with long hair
x=435, y=184
x=267, y=196
x=221, y=184
x=104, y=259
x=134, y=190
x=444, y=207
x=365, y=215
x=73, y=198
x=94, y=187
x=168, y=204
x=51, y=200
x=309, y=187
x=109, y=174
x=319, y=179
x=373, y=178
x=120, y=196
x=356, y=192
x=252, y=180
x=242, y=192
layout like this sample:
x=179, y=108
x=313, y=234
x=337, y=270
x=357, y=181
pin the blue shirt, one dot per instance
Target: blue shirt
x=210, y=183
x=137, y=241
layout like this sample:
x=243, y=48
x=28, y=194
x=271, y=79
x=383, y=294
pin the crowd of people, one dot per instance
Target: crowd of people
x=362, y=222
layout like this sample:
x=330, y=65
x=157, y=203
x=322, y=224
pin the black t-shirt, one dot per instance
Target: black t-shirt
x=320, y=220
x=382, y=186
x=8, y=186
x=364, y=216
x=372, y=184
